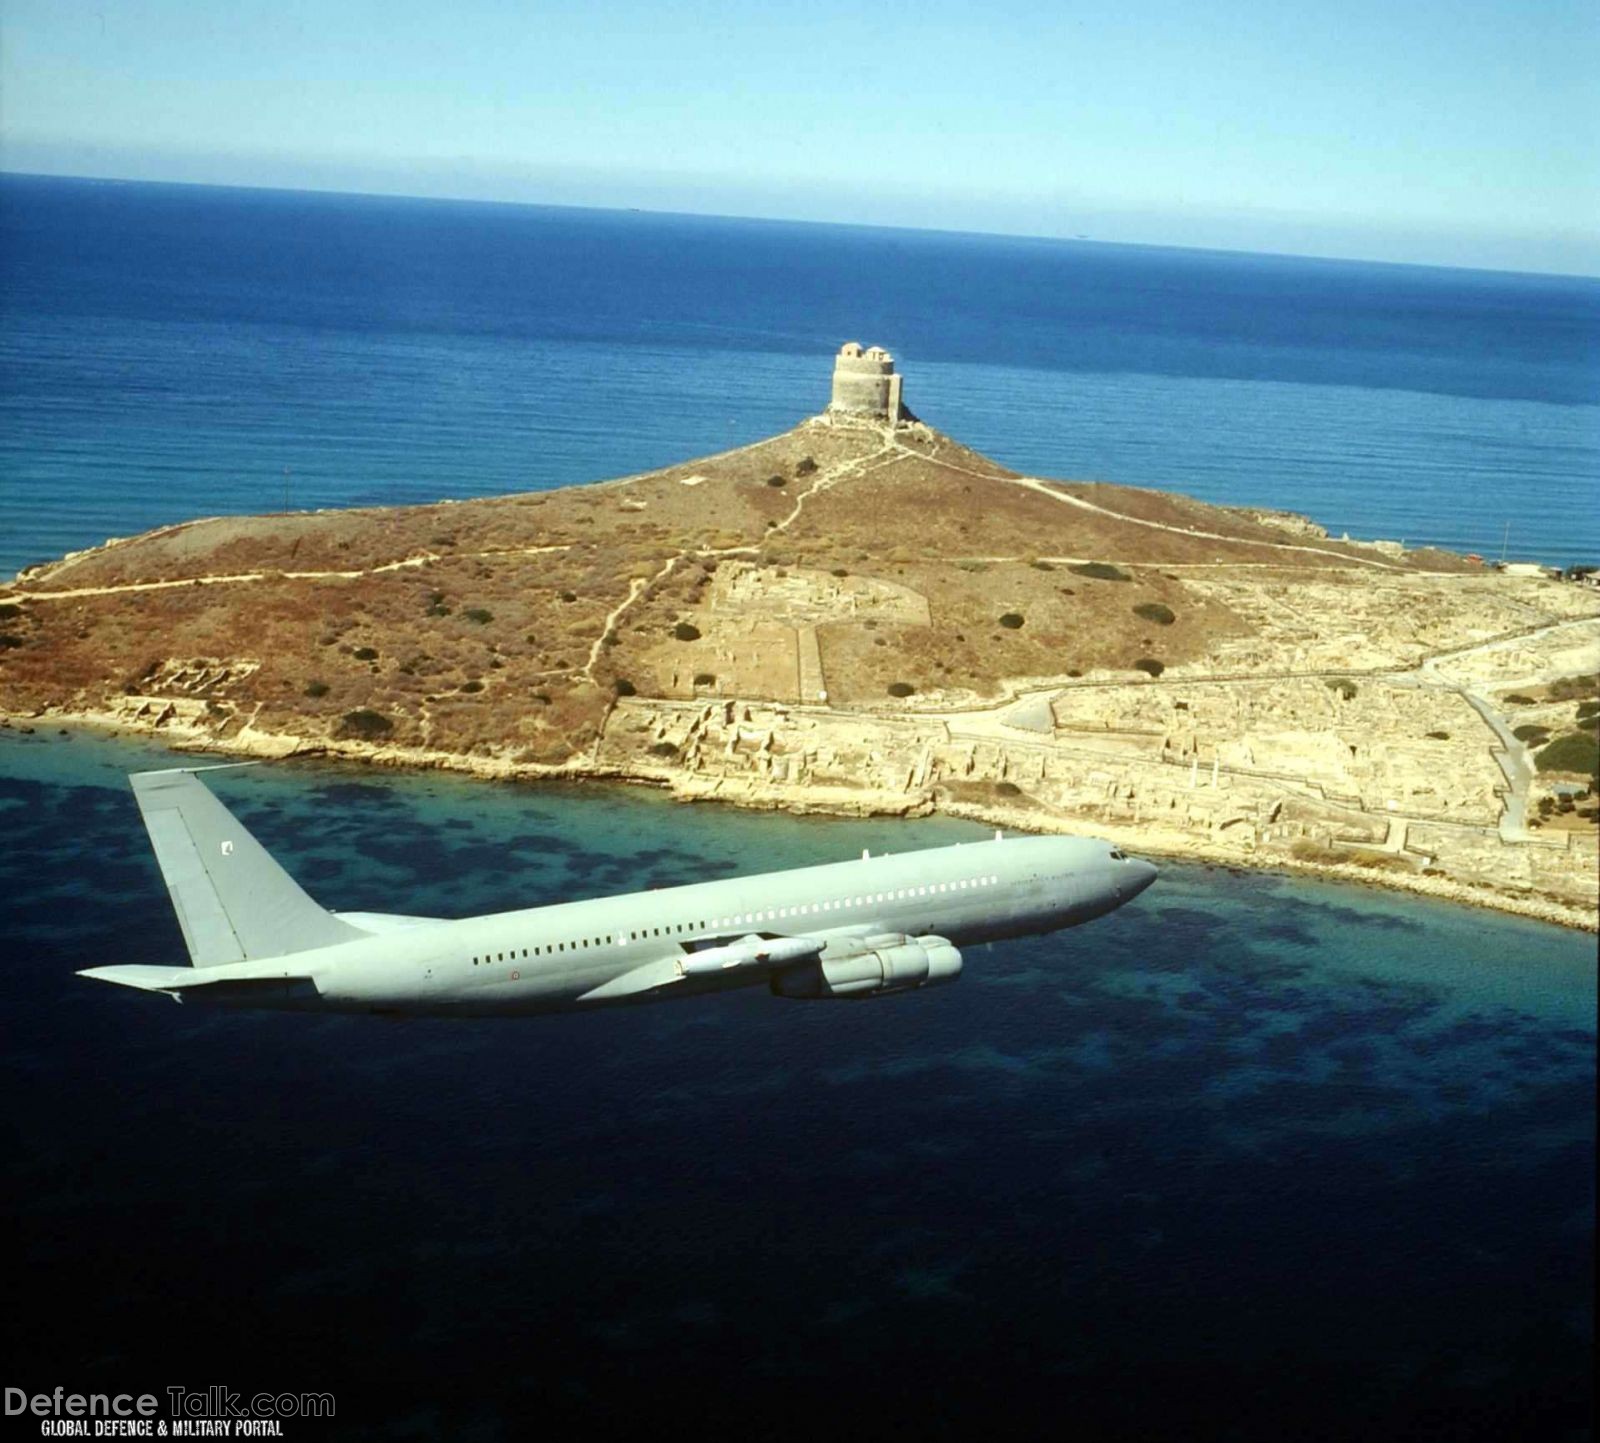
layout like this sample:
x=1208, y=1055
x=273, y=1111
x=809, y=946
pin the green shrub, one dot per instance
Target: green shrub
x=1575, y=752
x=569, y=595
x=1574, y=688
x=777, y=480
x=840, y=571
x=683, y=631
x=804, y=466
x=9, y=611
x=316, y=688
x=1439, y=736
x=1149, y=666
x=901, y=688
x=1156, y=612
x=1012, y=621
x=471, y=686
x=1532, y=733
x=365, y=725
x=1341, y=684
x=365, y=653
x=1100, y=571
x=1588, y=710
x=1517, y=699
x=663, y=749
x=478, y=614
x=623, y=687
x=1007, y=789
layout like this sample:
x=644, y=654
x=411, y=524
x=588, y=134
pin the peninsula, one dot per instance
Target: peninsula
x=862, y=615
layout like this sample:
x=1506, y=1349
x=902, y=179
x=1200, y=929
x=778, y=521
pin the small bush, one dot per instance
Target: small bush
x=1574, y=688
x=840, y=571
x=663, y=749
x=1439, y=736
x=569, y=595
x=1007, y=789
x=705, y=678
x=777, y=480
x=1100, y=571
x=1012, y=621
x=1532, y=733
x=901, y=688
x=471, y=686
x=478, y=614
x=1517, y=699
x=9, y=611
x=365, y=653
x=623, y=687
x=1042, y=566
x=1149, y=666
x=1341, y=684
x=1156, y=612
x=1588, y=710
x=8, y=641
x=804, y=466
x=365, y=725
x=683, y=631
x=1575, y=752
x=316, y=688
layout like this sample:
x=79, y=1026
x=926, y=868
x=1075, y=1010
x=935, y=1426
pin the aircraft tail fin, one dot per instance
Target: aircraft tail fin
x=234, y=903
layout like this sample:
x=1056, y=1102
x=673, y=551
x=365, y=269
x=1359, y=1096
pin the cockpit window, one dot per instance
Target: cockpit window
x=1118, y=855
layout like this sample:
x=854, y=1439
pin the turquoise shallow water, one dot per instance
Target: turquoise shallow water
x=1253, y=1157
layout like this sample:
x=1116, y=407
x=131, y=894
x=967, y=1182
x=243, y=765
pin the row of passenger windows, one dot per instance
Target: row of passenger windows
x=738, y=919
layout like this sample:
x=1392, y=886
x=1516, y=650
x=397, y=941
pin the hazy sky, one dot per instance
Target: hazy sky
x=1465, y=132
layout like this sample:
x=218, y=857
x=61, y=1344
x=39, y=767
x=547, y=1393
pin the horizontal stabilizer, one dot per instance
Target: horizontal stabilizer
x=182, y=982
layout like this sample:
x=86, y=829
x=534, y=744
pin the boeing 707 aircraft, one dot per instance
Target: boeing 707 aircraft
x=863, y=928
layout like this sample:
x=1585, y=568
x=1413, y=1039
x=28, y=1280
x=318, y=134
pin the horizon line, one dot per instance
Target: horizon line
x=7, y=172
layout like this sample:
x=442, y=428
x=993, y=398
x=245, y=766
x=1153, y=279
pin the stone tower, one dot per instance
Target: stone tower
x=865, y=383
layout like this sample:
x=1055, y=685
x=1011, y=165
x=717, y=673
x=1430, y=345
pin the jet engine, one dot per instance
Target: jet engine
x=872, y=967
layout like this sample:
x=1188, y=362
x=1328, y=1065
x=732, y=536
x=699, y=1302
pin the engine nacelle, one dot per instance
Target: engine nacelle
x=879, y=967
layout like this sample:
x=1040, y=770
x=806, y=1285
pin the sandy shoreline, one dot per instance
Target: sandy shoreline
x=816, y=800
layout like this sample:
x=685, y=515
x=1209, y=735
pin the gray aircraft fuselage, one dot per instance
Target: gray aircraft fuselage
x=868, y=926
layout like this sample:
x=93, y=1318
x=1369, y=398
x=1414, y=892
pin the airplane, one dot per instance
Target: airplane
x=861, y=928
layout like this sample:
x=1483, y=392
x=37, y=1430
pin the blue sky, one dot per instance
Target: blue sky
x=1465, y=133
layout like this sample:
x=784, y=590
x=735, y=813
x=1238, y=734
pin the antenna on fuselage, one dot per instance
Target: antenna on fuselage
x=999, y=835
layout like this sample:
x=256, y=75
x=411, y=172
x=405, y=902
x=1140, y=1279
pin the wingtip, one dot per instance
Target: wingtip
x=191, y=771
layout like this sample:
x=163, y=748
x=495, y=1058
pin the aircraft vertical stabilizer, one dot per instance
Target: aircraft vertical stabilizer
x=233, y=901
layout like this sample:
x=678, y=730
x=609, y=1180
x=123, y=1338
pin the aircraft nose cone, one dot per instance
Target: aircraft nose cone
x=1142, y=874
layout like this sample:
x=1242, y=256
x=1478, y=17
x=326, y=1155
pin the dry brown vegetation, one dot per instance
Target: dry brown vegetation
x=506, y=624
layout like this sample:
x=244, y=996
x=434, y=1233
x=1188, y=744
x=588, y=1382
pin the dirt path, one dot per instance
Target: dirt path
x=1047, y=488
x=246, y=577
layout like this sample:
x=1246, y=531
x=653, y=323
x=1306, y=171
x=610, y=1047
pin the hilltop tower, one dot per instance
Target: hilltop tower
x=865, y=383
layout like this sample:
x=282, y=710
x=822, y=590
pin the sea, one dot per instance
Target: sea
x=1253, y=1157
x=172, y=349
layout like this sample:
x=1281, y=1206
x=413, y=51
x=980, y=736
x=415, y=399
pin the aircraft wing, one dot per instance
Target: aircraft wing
x=751, y=951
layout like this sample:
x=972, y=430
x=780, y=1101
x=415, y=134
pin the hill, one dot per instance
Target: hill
x=861, y=615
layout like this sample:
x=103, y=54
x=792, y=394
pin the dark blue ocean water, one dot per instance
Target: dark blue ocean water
x=166, y=350
x=1251, y=1158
